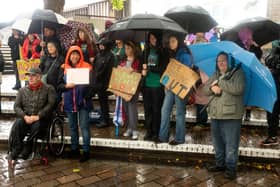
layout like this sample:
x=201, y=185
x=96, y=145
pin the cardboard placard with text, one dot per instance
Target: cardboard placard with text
x=123, y=83
x=23, y=66
x=179, y=78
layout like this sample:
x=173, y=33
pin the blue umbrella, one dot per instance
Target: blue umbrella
x=260, y=87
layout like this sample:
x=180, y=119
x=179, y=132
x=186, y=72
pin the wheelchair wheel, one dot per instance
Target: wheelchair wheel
x=56, y=137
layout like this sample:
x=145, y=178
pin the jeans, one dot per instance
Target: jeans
x=226, y=137
x=180, y=117
x=153, y=99
x=18, y=84
x=82, y=117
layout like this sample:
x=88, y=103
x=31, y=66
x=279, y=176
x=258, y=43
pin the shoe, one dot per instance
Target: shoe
x=102, y=125
x=148, y=137
x=134, y=135
x=154, y=138
x=73, y=154
x=16, y=88
x=215, y=168
x=270, y=141
x=85, y=157
x=127, y=133
x=173, y=142
x=27, y=150
x=230, y=175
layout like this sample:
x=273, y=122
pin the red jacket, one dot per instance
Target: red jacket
x=25, y=48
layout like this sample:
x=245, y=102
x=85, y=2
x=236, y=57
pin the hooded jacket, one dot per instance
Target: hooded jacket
x=103, y=66
x=230, y=104
x=33, y=45
x=76, y=98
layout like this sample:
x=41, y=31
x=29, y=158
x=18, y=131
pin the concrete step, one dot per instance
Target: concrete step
x=196, y=143
x=7, y=108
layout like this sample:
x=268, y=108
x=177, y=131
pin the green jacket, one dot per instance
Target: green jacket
x=230, y=104
x=40, y=102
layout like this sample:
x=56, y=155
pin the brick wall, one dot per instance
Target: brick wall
x=273, y=10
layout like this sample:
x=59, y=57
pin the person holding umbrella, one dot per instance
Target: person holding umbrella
x=181, y=53
x=226, y=112
x=154, y=64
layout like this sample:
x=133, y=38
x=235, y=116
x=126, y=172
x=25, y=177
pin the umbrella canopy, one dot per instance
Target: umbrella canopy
x=192, y=18
x=260, y=87
x=135, y=27
x=68, y=32
x=263, y=29
x=22, y=24
x=41, y=18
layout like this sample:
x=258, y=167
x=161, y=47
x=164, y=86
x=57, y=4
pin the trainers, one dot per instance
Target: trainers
x=134, y=135
x=270, y=141
x=85, y=157
x=230, y=175
x=127, y=133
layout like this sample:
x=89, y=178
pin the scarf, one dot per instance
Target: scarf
x=35, y=87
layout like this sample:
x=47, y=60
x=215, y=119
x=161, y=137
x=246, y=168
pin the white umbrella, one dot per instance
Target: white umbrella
x=22, y=24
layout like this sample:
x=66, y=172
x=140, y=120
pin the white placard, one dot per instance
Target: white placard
x=77, y=75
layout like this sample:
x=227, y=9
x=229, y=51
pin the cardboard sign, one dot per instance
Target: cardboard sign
x=77, y=76
x=124, y=83
x=179, y=78
x=23, y=66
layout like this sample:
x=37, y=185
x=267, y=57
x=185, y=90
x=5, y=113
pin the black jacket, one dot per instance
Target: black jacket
x=102, y=69
x=55, y=73
x=14, y=45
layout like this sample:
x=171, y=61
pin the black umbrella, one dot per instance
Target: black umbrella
x=43, y=17
x=264, y=30
x=192, y=18
x=134, y=27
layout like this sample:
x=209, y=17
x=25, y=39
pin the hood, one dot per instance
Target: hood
x=230, y=60
x=70, y=50
x=81, y=63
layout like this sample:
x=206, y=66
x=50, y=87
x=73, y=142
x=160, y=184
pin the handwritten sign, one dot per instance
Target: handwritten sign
x=23, y=66
x=179, y=78
x=77, y=76
x=124, y=83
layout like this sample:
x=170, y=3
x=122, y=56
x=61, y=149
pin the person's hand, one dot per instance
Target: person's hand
x=255, y=43
x=144, y=72
x=130, y=70
x=91, y=59
x=26, y=59
x=28, y=119
x=214, y=83
x=43, y=44
x=34, y=118
x=216, y=89
x=70, y=85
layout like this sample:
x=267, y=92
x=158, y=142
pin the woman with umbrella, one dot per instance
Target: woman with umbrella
x=84, y=41
x=226, y=112
x=181, y=53
x=155, y=62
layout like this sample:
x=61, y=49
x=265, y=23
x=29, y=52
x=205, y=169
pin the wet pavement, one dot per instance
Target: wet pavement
x=103, y=173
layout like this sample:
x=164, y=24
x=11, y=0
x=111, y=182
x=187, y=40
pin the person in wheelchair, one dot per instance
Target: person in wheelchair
x=33, y=106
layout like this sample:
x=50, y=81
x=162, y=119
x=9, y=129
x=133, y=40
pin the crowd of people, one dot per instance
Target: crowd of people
x=47, y=89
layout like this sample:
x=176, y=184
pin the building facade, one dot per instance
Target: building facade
x=273, y=10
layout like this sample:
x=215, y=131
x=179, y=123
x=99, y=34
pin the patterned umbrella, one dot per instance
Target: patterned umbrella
x=68, y=32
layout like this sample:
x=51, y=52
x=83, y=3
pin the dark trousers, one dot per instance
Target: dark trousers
x=273, y=120
x=104, y=105
x=19, y=131
x=153, y=100
x=201, y=116
x=18, y=84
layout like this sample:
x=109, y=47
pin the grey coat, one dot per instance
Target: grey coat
x=40, y=102
x=230, y=104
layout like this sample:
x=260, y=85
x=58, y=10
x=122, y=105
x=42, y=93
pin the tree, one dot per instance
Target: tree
x=117, y=4
x=55, y=5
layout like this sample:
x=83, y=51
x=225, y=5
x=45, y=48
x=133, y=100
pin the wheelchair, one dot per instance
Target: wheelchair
x=49, y=141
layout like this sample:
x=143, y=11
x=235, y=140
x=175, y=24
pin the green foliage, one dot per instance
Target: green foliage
x=117, y=4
